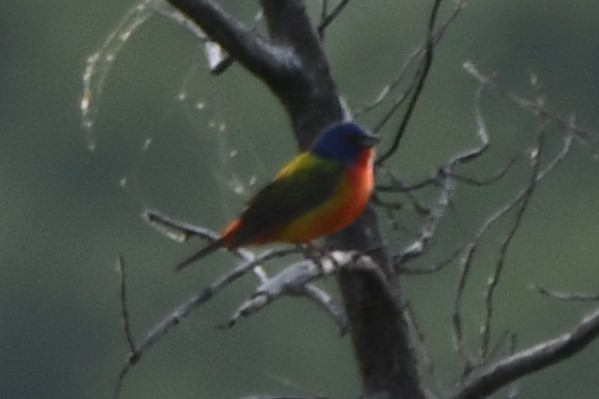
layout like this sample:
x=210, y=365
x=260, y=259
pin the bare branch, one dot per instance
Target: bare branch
x=434, y=268
x=327, y=18
x=379, y=202
x=125, y=305
x=489, y=180
x=420, y=79
x=257, y=55
x=292, y=281
x=567, y=296
x=181, y=312
x=182, y=231
x=398, y=186
x=177, y=230
x=469, y=250
x=429, y=228
x=133, y=356
x=499, y=266
x=503, y=372
x=174, y=15
x=538, y=108
x=219, y=60
x=458, y=333
x=416, y=55
x=324, y=9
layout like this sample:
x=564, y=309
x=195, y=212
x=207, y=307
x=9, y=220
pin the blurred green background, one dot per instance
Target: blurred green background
x=65, y=217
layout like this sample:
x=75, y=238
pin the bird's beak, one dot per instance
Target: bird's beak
x=369, y=140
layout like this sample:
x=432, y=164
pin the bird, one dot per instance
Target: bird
x=320, y=192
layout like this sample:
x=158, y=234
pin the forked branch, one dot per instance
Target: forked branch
x=505, y=371
x=241, y=42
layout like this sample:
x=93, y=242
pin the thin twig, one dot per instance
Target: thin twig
x=133, y=355
x=414, y=56
x=499, y=266
x=125, y=305
x=429, y=227
x=385, y=204
x=182, y=231
x=489, y=180
x=177, y=230
x=324, y=10
x=469, y=249
x=569, y=125
x=499, y=343
x=398, y=186
x=331, y=16
x=179, y=18
x=404, y=268
x=420, y=80
x=458, y=333
x=567, y=296
x=181, y=312
x=447, y=183
x=208, y=293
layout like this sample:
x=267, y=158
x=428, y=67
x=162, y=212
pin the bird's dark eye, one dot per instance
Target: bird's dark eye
x=352, y=141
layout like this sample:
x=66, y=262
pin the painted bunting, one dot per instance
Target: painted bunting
x=320, y=192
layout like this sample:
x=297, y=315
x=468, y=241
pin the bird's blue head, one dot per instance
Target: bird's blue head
x=343, y=142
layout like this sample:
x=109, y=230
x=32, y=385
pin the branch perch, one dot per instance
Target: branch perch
x=294, y=280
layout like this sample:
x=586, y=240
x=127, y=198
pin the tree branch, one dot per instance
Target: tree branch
x=295, y=280
x=259, y=56
x=393, y=84
x=493, y=281
x=567, y=296
x=569, y=125
x=445, y=180
x=420, y=80
x=501, y=373
x=331, y=16
x=180, y=313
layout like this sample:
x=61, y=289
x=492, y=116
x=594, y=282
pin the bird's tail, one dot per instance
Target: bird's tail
x=213, y=246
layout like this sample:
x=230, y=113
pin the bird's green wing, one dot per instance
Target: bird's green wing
x=302, y=185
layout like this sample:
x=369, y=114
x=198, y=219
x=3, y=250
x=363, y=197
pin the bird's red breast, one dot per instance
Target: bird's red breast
x=348, y=202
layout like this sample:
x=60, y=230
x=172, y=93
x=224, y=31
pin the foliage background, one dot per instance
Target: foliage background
x=65, y=218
